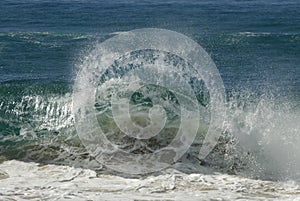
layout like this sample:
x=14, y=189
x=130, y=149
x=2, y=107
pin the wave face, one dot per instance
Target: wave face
x=261, y=137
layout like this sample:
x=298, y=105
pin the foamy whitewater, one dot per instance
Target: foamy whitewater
x=52, y=182
x=257, y=156
x=47, y=51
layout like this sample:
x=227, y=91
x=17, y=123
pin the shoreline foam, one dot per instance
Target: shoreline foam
x=33, y=181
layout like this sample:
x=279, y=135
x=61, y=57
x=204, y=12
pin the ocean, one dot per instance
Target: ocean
x=255, y=46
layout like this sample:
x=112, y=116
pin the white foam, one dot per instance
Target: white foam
x=32, y=181
x=269, y=132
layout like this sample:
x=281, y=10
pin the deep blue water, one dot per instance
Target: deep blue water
x=255, y=45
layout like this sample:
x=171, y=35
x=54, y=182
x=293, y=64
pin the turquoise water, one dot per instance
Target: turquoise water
x=255, y=45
